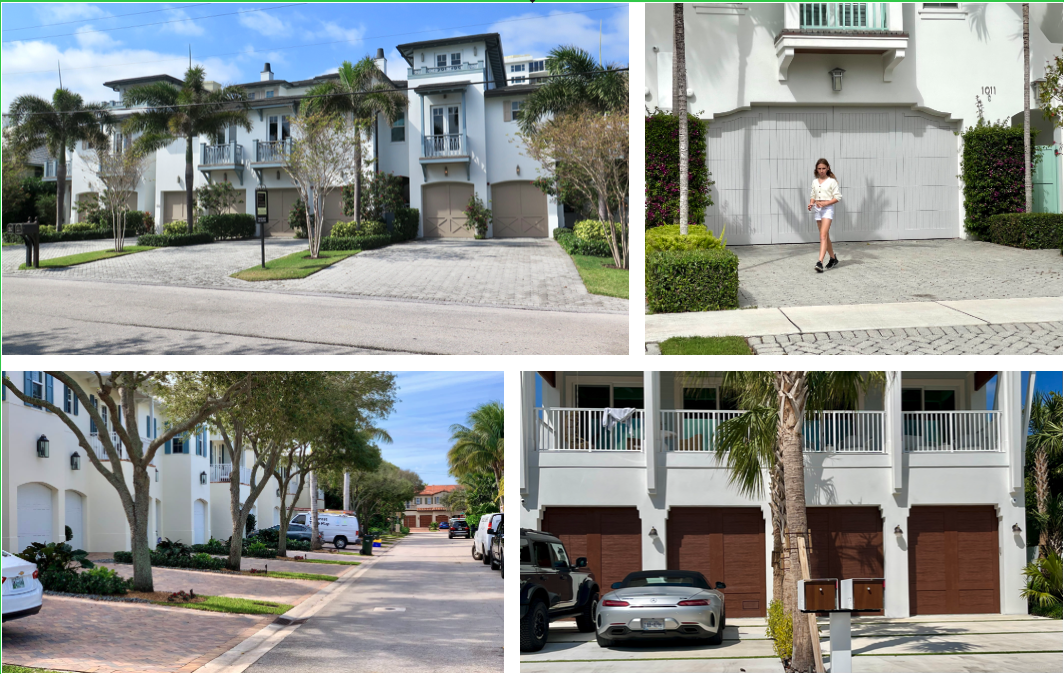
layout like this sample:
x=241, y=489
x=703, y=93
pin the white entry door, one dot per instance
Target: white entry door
x=34, y=515
x=75, y=519
x=199, y=522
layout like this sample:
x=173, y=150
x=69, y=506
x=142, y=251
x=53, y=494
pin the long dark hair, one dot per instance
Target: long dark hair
x=825, y=163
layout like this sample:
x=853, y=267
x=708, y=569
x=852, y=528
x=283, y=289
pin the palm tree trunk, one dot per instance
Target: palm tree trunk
x=679, y=66
x=1041, y=490
x=791, y=387
x=60, y=189
x=1027, y=194
x=190, y=205
x=778, y=504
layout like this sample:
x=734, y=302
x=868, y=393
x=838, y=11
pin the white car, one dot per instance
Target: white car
x=23, y=592
x=482, y=538
x=335, y=526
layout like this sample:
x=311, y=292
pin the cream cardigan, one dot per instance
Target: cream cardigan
x=825, y=192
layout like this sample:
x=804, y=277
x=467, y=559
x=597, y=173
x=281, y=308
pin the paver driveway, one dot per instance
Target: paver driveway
x=526, y=273
x=895, y=271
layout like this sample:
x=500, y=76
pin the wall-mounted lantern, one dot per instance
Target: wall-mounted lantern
x=75, y=461
x=518, y=169
x=1016, y=528
x=42, y=447
x=156, y=474
x=897, y=530
x=203, y=477
x=278, y=491
x=445, y=171
x=836, y=79
x=653, y=533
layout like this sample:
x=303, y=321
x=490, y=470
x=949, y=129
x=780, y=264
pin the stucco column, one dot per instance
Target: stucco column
x=894, y=16
x=347, y=491
x=528, y=425
x=652, y=427
x=893, y=434
x=1012, y=432
x=895, y=560
x=791, y=17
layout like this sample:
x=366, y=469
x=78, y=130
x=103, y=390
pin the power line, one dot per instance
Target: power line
x=314, y=44
x=157, y=23
x=104, y=18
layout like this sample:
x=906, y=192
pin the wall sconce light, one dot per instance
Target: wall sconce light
x=836, y=79
x=75, y=461
x=653, y=532
x=203, y=478
x=1016, y=528
x=278, y=175
x=278, y=491
x=178, y=180
x=518, y=169
x=445, y=171
x=42, y=447
x=897, y=531
x=474, y=50
x=156, y=474
x=422, y=57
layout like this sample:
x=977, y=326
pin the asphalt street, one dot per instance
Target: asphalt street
x=42, y=316
x=427, y=606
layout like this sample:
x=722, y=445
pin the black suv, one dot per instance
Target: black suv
x=497, y=548
x=459, y=527
x=552, y=588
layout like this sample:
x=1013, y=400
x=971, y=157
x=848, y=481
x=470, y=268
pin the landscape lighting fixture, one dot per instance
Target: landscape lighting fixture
x=836, y=79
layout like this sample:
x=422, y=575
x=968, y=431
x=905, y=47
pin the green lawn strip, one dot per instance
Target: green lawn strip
x=16, y=668
x=321, y=561
x=233, y=605
x=599, y=278
x=82, y=258
x=718, y=657
x=898, y=655
x=705, y=346
x=295, y=265
x=299, y=576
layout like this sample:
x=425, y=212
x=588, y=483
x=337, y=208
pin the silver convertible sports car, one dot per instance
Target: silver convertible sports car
x=661, y=605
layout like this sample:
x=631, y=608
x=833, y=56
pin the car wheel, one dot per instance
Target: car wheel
x=603, y=641
x=718, y=638
x=495, y=565
x=475, y=551
x=486, y=557
x=340, y=542
x=450, y=536
x=585, y=622
x=534, y=628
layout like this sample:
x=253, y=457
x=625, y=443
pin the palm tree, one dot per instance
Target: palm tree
x=58, y=126
x=174, y=113
x=1044, y=579
x=679, y=98
x=576, y=82
x=362, y=93
x=1043, y=455
x=1028, y=194
x=478, y=447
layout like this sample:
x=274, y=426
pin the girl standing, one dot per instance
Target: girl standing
x=822, y=199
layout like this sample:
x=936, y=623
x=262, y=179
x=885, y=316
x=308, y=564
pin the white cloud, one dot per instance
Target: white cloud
x=70, y=11
x=87, y=38
x=542, y=32
x=182, y=27
x=331, y=30
x=263, y=23
x=397, y=65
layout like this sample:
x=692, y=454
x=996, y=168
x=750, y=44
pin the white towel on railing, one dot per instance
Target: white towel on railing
x=611, y=416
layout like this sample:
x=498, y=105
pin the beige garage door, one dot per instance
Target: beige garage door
x=82, y=198
x=280, y=203
x=444, y=210
x=334, y=210
x=518, y=209
x=173, y=206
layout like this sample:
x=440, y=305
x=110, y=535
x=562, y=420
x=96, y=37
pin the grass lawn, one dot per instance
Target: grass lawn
x=324, y=561
x=705, y=346
x=231, y=605
x=297, y=576
x=600, y=278
x=296, y=265
x=16, y=668
x=82, y=258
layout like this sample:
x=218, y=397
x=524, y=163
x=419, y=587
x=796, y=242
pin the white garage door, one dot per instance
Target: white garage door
x=75, y=519
x=34, y=515
x=199, y=517
x=897, y=169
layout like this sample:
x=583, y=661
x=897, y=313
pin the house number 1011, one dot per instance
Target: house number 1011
x=989, y=91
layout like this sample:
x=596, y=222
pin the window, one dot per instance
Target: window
x=559, y=553
x=36, y=388
x=456, y=59
x=700, y=398
x=399, y=129
x=628, y=396
x=178, y=445
x=541, y=554
x=269, y=94
x=942, y=5
x=518, y=80
x=301, y=519
x=279, y=128
x=928, y=400
x=517, y=68
x=515, y=107
x=70, y=401
x=251, y=96
x=537, y=66
x=441, y=60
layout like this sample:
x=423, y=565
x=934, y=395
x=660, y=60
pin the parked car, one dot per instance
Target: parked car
x=23, y=593
x=552, y=588
x=458, y=527
x=299, y=532
x=483, y=535
x=445, y=525
x=662, y=605
x=337, y=528
x=497, y=547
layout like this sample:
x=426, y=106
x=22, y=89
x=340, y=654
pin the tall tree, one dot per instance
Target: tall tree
x=1027, y=191
x=362, y=92
x=382, y=492
x=679, y=99
x=478, y=447
x=117, y=392
x=183, y=113
x=116, y=174
x=1044, y=442
x=58, y=126
x=575, y=82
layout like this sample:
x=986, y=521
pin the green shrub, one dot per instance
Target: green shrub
x=174, y=560
x=212, y=547
x=297, y=219
x=99, y=580
x=992, y=173
x=780, y=629
x=1044, y=582
x=227, y=225
x=574, y=245
x=202, y=560
x=21, y=196
x=561, y=231
x=404, y=529
x=355, y=242
x=348, y=230
x=59, y=557
x=590, y=230
x=692, y=280
x=1026, y=230
x=159, y=240
x=79, y=227
x=406, y=224
x=662, y=134
x=668, y=237
x=175, y=227
x=46, y=206
x=434, y=526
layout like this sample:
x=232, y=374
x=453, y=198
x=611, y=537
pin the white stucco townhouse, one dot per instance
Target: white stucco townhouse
x=879, y=89
x=921, y=484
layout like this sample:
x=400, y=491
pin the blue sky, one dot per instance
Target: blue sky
x=234, y=46
x=429, y=402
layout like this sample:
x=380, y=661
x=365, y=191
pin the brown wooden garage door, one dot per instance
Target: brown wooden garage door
x=443, y=210
x=441, y=518
x=518, y=209
x=424, y=520
x=410, y=520
x=725, y=545
x=609, y=538
x=173, y=206
x=847, y=542
x=953, y=560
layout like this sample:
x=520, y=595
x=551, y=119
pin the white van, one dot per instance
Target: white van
x=335, y=527
x=482, y=538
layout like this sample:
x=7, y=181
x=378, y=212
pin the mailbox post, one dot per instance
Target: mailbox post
x=262, y=216
x=839, y=599
x=31, y=236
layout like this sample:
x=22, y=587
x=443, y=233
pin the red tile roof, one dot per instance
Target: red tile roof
x=437, y=489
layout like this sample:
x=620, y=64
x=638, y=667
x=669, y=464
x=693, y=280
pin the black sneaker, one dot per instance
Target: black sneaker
x=833, y=262
x=819, y=267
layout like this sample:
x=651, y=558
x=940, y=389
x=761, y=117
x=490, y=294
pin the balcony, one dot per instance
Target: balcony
x=844, y=27
x=223, y=472
x=581, y=429
x=228, y=156
x=952, y=431
x=859, y=16
x=448, y=146
x=272, y=153
x=426, y=71
x=98, y=449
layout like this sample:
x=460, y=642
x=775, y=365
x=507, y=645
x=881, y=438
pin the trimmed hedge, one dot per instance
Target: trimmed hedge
x=692, y=280
x=406, y=224
x=668, y=237
x=227, y=225
x=663, y=169
x=162, y=240
x=355, y=242
x=574, y=245
x=99, y=580
x=590, y=230
x=197, y=561
x=51, y=236
x=992, y=173
x=353, y=229
x=1026, y=230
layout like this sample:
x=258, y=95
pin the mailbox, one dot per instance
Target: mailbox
x=819, y=594
x=262, y=207
x=861, y=594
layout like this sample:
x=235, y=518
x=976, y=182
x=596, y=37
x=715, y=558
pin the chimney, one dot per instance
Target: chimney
x=382, y=63
x=267, y=74
x=211, y=85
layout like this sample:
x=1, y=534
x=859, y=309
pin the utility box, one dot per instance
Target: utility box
x=861, y=594
x=820, y=594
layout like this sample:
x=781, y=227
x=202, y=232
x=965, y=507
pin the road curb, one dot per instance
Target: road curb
x=248, y=652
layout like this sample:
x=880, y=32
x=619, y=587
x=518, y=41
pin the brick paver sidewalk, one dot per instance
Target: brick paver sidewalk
x=94, y=636
x=281, y=590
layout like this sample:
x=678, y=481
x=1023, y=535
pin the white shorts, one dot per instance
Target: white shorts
x=825, y=212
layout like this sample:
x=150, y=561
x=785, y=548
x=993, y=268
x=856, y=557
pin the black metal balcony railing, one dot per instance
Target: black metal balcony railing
x=272, y=151
x=227, y=154
x=444, y=145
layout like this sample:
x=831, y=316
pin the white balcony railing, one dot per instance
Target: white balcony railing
x=855, y=16
x=692, y=430
x=581, y=429
x=223, y=472
x=445, y=145
x=101, y=453
x=952, y=431
x=843, y=431
x=429, y=71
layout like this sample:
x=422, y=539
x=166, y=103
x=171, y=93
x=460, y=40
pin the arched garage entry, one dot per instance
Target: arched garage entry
x=34, y=515
x=443, y=210
x=518, y=209
x=199, y=521
x=75, y=518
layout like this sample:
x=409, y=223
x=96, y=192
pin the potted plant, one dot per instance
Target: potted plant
x=477, y=217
